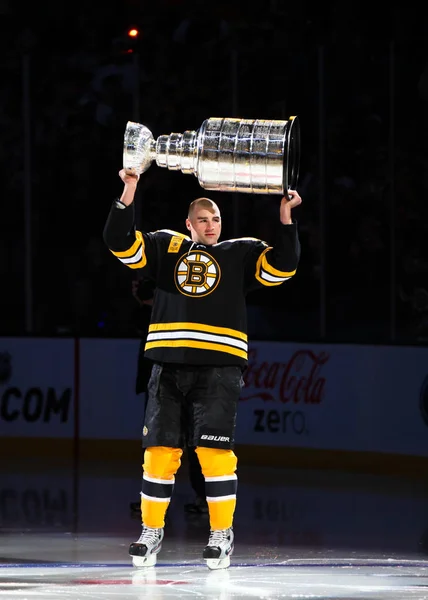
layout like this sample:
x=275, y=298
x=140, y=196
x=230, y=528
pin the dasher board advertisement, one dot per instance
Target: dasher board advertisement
x=37, y=387
x=339, y=397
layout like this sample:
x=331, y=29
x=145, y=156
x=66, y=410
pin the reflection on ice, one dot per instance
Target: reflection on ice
x=338, y=579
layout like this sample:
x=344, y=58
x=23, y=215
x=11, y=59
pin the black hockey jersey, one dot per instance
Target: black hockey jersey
x=199, y=310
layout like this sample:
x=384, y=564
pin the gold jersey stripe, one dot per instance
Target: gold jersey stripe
x=195, y=344
x=263, y=264
x=133, y=249
x=267, y=267
x=198, y=327
x=268, y=283
x=139, y=265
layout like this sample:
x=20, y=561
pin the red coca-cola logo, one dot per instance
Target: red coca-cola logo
x=297, y=381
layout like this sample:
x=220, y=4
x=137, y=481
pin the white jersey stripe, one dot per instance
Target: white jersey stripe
x=154, y=499
x=133, y=259
x=268, y=277
x=197, y=335
x=222, y=478
x=162, y=481
x=221, y=498
x=241, y=239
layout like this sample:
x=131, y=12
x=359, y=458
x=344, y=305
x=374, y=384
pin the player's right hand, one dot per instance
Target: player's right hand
x=129, y=176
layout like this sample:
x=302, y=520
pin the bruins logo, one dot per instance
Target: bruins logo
x=197, y=274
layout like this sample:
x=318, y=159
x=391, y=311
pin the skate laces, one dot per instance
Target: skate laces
x=218, y=536
x=150, y=536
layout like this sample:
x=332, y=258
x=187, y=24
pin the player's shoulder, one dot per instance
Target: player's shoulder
x=169, y=233
x=171, y=241
x=241, y=242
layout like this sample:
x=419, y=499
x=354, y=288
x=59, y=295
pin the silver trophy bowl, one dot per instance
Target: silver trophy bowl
x=240, y=155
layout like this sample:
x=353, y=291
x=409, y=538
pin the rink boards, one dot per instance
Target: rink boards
x=323, y=405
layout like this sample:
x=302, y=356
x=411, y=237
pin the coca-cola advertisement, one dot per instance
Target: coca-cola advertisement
x=283, y=395
x=335, y=397
x=339, y=398
x=298, y=380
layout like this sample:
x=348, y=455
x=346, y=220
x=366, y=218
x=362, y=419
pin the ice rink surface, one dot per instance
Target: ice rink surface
x=65, y=534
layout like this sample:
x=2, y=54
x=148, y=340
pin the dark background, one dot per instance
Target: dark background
x=358, y=80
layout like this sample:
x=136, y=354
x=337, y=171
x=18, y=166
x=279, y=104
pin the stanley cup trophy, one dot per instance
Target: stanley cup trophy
x=238, y=155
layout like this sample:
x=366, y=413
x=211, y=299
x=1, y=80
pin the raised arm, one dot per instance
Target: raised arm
x=287, y=206
x=129, y=245
x=272, y=265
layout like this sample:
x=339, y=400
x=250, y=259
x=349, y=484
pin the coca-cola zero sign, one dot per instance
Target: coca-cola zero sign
x=286, y=389
x=297, y=381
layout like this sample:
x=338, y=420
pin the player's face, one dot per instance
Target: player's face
x=205, y=226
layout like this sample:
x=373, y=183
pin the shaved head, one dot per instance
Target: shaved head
x=202, y=203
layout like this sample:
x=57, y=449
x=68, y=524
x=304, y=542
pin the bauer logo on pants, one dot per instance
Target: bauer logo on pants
x=215, y=438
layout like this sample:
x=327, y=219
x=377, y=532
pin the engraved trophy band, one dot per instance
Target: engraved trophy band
x=240, y=155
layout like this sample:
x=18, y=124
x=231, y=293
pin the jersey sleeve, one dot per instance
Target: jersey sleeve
x=135, y=249
x=267, y=265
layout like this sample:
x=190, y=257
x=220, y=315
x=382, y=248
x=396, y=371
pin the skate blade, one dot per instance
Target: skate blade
x=218, y=563
x=144, y=561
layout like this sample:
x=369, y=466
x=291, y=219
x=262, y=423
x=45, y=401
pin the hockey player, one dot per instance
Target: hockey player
x=198, y=342
x=143, y=294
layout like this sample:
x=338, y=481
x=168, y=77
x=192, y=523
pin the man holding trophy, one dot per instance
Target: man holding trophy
x=197, y=336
